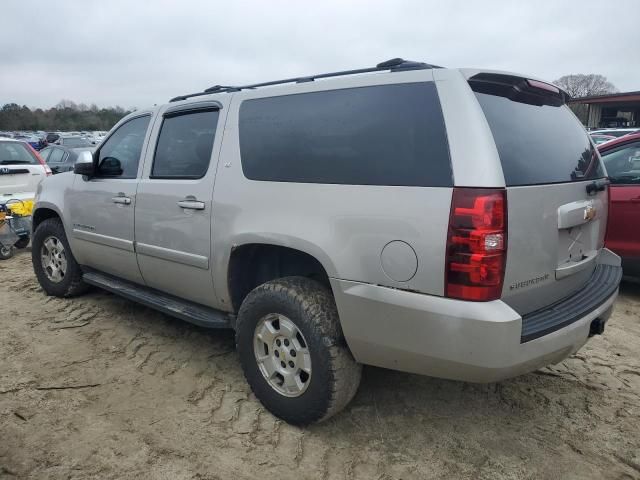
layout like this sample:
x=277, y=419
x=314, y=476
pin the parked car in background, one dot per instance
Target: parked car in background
x=96, y=137
x=615, y=132
x=52, y=137
x=622, y=161
x=32, y=140
x=73, y=141
x=438, y=221
x=599, y=138
x=61, y=158
x=21, y=170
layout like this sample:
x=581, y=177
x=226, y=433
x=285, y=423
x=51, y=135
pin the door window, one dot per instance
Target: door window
x=55, y=156
x=184, y=144
x=120, y=154
x=44, y=153
x=623, y=164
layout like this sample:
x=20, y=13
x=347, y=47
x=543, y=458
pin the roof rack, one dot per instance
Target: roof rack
x=393, y=65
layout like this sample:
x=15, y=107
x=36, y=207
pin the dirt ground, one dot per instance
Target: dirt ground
x=99, y=387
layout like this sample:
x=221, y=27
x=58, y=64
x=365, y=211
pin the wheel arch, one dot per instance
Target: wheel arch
x=42, y=213
x=254, y=263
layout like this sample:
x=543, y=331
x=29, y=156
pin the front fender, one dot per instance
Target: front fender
x=51, y=196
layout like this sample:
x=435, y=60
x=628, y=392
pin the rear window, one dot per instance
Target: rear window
x=381, y=135
x=539, y=144
x=16, y=153
x=75, y=142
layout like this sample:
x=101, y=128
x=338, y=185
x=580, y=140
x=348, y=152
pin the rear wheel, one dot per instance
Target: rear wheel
x=292, y=350
x=56, y=269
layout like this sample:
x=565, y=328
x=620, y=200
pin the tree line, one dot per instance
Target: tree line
x=580, y=85
x=65, y=116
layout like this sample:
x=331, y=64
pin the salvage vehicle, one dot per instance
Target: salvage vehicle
x=445, y=222
x=622, y=160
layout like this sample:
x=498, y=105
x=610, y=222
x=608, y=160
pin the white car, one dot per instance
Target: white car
x=21, y=170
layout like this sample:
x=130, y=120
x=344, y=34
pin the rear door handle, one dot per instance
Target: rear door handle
x=122, y=200
x=191, y=204
x=635, y=200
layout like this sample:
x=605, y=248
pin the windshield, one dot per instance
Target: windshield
x=16, y=153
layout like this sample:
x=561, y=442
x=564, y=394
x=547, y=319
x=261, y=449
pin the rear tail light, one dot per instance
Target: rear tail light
x=476, y=244
x=47, y=169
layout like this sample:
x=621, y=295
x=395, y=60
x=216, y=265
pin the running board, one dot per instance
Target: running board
x=168, y=304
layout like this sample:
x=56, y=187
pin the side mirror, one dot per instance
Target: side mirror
x=84, y=165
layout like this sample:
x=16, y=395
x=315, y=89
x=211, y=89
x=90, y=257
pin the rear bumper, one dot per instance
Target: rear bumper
x=440, y=337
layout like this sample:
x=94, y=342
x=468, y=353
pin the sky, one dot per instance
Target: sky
x=139, y=53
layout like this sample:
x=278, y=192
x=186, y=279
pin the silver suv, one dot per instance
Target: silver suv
x=437, y=221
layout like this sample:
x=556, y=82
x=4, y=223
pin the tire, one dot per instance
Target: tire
x=334, y=374
x=6, y=252
x=23, y=242
x=71, y=283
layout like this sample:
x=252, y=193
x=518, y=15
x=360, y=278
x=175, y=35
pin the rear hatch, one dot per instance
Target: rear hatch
x=556, y=190
x=20, y=169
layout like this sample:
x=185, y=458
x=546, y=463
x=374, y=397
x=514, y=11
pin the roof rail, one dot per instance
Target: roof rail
x=393, y=65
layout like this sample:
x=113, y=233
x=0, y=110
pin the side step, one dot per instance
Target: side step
x=168, y=304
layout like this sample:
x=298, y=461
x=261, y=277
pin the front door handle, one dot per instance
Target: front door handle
x=122, y=200
x=191, y=203
x=635, y=200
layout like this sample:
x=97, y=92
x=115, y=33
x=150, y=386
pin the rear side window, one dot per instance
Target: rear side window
x=381, y=135
x=539, y=144
x=184, y=144
x=15, y=153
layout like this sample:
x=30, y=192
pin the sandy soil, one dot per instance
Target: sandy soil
x=99, y=387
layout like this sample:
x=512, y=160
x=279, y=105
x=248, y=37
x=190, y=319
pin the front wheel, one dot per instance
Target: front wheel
x=292, y=350
x=53, y=263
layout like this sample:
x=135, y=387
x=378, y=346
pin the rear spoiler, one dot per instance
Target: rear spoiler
x=519, y=89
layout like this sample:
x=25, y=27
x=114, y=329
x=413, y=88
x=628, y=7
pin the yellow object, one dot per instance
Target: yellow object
x=22, y=208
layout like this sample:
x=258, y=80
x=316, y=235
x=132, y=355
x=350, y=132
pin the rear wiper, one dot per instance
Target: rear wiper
x=14, y=162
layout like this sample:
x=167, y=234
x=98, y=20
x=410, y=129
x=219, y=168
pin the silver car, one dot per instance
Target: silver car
x=446, y=222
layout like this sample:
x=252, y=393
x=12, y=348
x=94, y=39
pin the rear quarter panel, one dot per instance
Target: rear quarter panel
x=345, y=227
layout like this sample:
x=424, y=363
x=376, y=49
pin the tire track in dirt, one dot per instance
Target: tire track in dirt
x=173, y=403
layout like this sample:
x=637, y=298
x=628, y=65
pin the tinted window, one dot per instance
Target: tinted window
x=539, y=143
x=623, y=164
x=382, y=135
x=55, y=156
x=184, y=144
x=120, y=154
x=16, y=153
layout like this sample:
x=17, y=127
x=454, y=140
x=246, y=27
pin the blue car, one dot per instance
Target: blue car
x=32, y=140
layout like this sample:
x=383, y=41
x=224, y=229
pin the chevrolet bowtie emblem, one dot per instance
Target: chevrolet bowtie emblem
x=589, y=213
